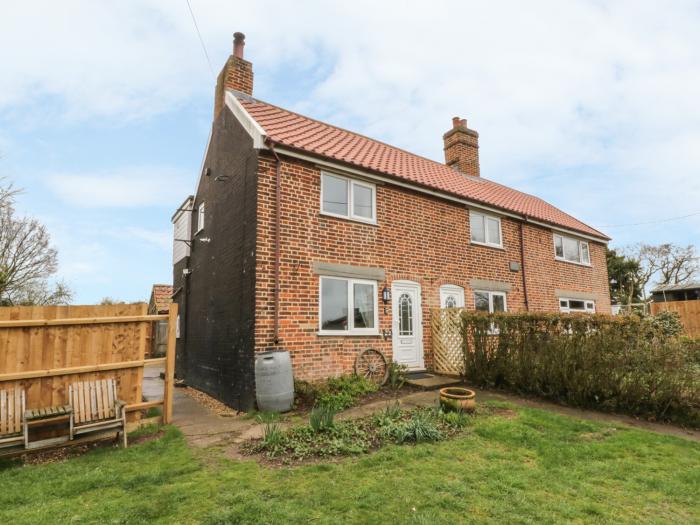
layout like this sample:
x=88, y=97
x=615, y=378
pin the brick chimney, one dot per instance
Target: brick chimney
x=237, y=74
x=462, y=148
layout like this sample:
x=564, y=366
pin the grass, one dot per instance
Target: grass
x=537, y=467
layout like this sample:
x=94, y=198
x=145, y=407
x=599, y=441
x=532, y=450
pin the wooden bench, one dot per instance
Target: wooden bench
x=13, y=430
x=45, y=416
x=95, y=407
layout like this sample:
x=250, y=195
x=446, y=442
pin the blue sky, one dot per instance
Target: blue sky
x=105, y=107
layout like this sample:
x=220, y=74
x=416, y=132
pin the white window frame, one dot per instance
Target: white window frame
x=491, y=293
x=580, y=242
x=589, y=306
x=485, y=217
x=351, y=184
x=351, y=299
x=200, y=218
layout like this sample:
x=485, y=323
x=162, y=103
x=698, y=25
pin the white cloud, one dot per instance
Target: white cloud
x=159, y=238
x=591, y=105
x=128, y=188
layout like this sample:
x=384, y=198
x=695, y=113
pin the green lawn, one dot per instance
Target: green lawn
x=535, y=468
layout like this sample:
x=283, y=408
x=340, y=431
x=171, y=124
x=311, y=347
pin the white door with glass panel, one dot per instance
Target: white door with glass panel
x=407, y=329
x=451, y=296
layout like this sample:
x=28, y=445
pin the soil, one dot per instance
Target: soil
x=61, y=454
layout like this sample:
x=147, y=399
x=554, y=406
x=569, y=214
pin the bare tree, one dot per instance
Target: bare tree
x=664, y=264
x=27, y=259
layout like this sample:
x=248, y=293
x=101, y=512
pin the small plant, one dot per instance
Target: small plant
x=456, y=419
x=321, y=417
x=397, y=376
x=272, y=431
x=390, y=414
x=420, y=428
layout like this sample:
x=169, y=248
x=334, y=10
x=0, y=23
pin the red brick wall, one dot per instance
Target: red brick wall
x=417, y=237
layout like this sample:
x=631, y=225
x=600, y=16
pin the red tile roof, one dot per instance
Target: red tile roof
x=161, y=297
x=311, y=136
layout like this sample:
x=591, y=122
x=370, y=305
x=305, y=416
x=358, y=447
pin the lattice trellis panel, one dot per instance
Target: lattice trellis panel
x=448, y=341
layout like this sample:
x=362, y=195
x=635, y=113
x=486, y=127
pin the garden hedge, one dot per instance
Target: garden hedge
x=623, y=364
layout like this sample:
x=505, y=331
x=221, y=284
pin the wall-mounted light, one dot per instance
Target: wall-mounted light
x=386, y=295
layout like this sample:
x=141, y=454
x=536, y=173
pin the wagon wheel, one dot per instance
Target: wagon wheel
x=371, y=363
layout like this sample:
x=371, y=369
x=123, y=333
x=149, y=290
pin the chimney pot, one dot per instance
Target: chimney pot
x=238, y=44
x=456, y=122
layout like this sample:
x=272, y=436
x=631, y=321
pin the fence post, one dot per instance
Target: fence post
x=170, y=364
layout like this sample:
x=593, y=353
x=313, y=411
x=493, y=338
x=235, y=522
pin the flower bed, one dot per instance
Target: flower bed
x=359, y=436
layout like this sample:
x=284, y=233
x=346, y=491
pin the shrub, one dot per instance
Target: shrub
x=667, y=323
x=321, y=418
x=621, y=364
x=338, y=392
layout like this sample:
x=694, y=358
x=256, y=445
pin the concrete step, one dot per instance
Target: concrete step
x=428, y=381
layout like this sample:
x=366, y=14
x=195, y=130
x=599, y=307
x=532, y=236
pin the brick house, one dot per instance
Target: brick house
x=311, y=238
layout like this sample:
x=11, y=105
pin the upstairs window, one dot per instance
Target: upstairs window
x=485, y=229
x=568, y=306
x=348, y=198
x=571, y=250
x=200, y=218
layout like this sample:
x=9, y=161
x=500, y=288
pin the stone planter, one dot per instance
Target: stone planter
x=458, y=398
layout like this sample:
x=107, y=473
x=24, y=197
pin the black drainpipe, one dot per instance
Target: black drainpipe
x=522, y=263
x=278, y=191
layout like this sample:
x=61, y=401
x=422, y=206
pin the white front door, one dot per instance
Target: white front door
x=407, y=328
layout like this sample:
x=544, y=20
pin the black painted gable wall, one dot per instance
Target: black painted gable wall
x=215, y=352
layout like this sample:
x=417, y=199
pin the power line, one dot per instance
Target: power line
x=669, y=219
x=201, y=40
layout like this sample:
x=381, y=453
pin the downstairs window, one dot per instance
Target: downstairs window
x=568, y=306
x=348, y=307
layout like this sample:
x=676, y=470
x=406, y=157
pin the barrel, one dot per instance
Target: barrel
x=274, y=384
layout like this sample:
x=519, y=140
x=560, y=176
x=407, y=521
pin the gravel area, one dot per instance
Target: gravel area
x=212, y=404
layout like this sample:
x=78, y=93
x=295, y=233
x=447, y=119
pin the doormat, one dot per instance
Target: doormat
x=420, y=375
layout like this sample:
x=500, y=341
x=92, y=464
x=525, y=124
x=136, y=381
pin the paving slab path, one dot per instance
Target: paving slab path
x=204, y=428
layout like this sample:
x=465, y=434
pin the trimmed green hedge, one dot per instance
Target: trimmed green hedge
x=622, y=364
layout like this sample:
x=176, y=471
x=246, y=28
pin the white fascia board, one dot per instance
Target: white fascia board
x=185, y=206
x=248, y=122
x=470, y=204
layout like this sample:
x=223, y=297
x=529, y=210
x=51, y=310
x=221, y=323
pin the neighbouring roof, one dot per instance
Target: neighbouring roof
x=161, y=297
x=675, y=287
x=308, y=135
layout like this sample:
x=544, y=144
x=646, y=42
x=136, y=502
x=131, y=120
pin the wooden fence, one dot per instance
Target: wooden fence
x=688, y=310
x=45, y=348
x=447, y=340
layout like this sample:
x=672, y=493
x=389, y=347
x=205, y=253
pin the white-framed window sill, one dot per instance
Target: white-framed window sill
x=350, y=219
x=487, y=245
x=345, y=333
x=585, y=265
